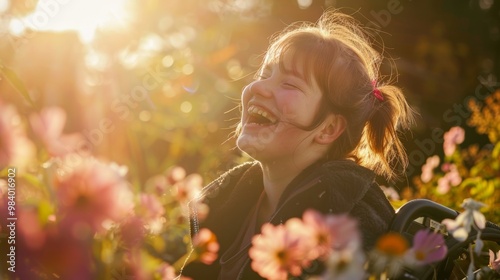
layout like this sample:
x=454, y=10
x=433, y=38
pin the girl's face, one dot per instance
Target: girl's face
x=272, y=105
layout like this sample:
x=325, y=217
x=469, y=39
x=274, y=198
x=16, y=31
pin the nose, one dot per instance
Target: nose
x=262, y=88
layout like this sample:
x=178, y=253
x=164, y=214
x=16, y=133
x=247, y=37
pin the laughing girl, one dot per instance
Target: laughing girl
x=320, y=124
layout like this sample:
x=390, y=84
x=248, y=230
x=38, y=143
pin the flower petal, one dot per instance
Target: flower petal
x=450, y=224
x=460, y=234
x=479, y=219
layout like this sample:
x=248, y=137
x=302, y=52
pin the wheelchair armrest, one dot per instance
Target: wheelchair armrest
x=419, y=208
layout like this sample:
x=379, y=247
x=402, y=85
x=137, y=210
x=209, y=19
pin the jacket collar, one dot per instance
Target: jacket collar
x=344, y=181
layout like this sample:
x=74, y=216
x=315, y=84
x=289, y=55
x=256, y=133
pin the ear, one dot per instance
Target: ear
x=332, y=128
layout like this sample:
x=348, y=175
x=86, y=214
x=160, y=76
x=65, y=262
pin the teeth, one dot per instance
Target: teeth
x=260, y=112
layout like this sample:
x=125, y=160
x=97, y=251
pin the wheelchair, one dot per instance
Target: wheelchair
x=422, y=213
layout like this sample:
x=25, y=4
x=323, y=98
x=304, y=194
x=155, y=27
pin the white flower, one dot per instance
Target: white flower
x=345, y=264
x=463, y=223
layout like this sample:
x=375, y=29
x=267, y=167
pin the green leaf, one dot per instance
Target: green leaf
x=15, y=82
x=472, y=181
x=488, y=190
x=45, y=209
x=33, y=181
x=478, y=187
x=479, y=168
x=496, y=151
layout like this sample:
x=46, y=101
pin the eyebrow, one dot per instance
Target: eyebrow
x=287, y=70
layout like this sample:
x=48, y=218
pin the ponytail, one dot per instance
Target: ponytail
x=380, y=148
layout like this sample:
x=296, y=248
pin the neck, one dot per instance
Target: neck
x=277, y=176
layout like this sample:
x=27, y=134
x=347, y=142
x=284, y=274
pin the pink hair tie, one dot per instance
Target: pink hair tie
x=377, y=92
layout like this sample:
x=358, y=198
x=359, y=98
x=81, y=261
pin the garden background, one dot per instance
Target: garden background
x=153, y=85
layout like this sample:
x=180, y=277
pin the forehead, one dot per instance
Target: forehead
x=290, y=64
x=295, y=55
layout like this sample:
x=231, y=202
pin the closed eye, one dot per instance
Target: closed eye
x=260, y=77
x=292, y=86
x=263, y=73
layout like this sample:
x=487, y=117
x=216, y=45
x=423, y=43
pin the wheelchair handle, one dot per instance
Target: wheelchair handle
x=417, y=208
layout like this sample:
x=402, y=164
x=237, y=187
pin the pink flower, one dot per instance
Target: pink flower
x=175, y=174
x=330, y=232
x=151, y=210
x=206, y=246
x=495, y=262
x=151, y=207
x=31, y=229
x=314, y=237
x=345, y=260
x=443, y=185
x=188, y=189
x=132, y=232
x=277, y=252
x=51, y=248
x=390, y=193
x=452, y=138
x=48, y=125
x=428, y=167
x=15, y=148
x=288, y=249
x=451, y=178
x=428, y=247
x=92, y=192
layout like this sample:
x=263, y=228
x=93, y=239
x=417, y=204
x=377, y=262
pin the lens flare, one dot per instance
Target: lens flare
x=82, y=16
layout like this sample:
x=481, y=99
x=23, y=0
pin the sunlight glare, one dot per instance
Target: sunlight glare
x=16, y=27
x=4, y=5
x=83, y=16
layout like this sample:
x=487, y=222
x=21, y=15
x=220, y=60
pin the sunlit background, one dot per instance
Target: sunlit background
x=83, y=17
x=193, y=57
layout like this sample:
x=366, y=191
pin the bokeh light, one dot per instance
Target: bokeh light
x=83, y=16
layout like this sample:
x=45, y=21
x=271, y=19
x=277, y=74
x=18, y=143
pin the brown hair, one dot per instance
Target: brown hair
x=339, y=56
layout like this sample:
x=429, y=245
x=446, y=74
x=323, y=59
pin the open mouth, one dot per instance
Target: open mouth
x=257, y=115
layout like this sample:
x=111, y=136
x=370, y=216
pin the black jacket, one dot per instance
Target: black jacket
x=335, y=187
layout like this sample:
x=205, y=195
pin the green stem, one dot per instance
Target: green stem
x=184, y=260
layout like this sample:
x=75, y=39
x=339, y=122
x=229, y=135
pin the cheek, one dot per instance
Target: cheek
x=292, y=109
x=300, y=110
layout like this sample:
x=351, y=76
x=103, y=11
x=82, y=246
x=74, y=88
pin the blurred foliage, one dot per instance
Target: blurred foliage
x=472, y=171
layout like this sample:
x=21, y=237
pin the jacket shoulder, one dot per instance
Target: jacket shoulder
x=221, y=188
x=353, y=190
x=347, y=183
x=374, y=214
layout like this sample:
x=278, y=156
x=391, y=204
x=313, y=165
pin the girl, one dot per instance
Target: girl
x=320, y=127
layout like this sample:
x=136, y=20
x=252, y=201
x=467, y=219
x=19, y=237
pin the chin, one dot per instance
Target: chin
x=249, y=145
